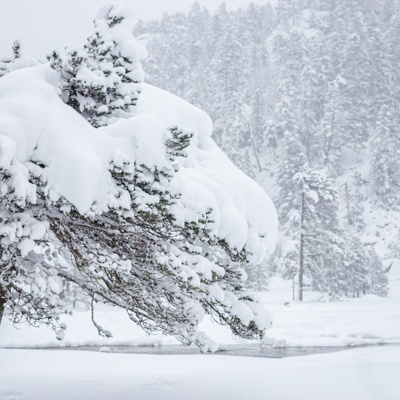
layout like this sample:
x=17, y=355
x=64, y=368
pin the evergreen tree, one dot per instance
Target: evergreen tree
x=321, y=238
x=379, y=282
x=354, y=197
x=103, y=79
x=135, y=255
x=356, y=279
x=384, y=162
x=16, y=61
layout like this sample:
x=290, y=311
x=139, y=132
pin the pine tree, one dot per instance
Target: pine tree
x=145, y=248
x=379, y=282
x=16, y=61
x=356, y=279
x=384, y=162
x=103, y=79
x=332, y=127
x=354, y=197
x=321, y=238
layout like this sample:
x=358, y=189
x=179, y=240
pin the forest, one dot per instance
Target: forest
x=224, y=182
x=304, y=97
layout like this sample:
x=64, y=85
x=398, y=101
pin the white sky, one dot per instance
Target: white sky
x=42, y=25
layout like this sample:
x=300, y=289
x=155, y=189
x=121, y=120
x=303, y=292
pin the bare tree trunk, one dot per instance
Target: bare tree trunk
x=255, y=148
x=301, y=250
x=294, y=288
x=346, y=188
x=2, y=302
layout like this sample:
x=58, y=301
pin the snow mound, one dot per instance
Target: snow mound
x=37, y=127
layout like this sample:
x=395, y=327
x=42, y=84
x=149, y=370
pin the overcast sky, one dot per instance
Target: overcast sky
x=42, y=25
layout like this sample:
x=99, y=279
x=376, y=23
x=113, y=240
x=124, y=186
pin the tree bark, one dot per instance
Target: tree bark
x=301, y=250
x=253, y=143
x=2, y=302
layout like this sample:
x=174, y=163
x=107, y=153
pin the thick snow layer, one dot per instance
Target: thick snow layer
x=361, y=374
x=244, y=209
x=77, y=157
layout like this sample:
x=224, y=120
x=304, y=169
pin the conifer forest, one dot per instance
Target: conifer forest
x=305, y=99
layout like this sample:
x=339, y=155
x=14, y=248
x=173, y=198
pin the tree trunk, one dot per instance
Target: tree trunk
x=301, y=250
x=2, y=302
x=253, y=143
x=346, y=188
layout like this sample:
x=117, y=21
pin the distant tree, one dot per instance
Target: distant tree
x=320, y=236
x=16, y=61
x=384, y=162
x=379, y=280
x=354, y=197
x=356, y=280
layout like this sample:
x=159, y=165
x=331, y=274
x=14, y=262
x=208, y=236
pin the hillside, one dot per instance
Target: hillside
x=303, y=98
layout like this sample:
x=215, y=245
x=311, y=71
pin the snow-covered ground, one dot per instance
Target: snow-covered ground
x=368, y=320
x=359, y=374
x=369, y=373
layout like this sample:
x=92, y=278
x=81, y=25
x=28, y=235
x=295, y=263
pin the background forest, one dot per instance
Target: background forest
x=304, y=98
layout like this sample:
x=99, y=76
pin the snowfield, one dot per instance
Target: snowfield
x=356, y=374
x=360, y=374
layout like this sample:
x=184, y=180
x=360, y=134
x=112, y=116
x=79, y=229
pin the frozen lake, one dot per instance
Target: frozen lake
x=246, y=350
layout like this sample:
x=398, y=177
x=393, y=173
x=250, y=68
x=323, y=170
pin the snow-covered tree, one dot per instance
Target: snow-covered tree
x=384, y=162
x=313, y=244
x=320, y=237
x=356, y=279
x=103, y=79
x=134, y=213
x=379, y=281
x=16, y=61
x=354, y=198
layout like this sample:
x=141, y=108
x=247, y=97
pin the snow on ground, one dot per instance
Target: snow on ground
x=367, y=320
x=358, y=374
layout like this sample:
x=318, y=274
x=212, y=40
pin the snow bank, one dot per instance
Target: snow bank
x=77, y=157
